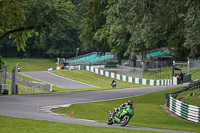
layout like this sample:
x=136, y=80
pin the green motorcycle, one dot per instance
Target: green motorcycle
x=121, y=117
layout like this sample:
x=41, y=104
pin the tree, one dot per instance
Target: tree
x=60, y=43
x=123, y=29
x=192, y=28
x=1, y=62
x=114, y=30
x=33, y=16
x=143, y=25
x=94, y=19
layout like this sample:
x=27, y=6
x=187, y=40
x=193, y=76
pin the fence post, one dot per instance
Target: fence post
x=188, y=72
x=17, y=87
x=58, y=62
x=167, y=99
x=14, y=76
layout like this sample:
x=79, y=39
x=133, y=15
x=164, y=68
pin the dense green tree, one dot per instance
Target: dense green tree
x=126, y=27
x=171, y=21
x=123, y=28
x=12, y=17
x=192, y=27
x=60, y=42
x=33, y=16
x=63, y=42
x=114, y=31
x=94, y=19
x=144, y=25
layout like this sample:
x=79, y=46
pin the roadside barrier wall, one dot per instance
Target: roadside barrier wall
x=130, y=79
x=184, y=110
x=165, y=82
x=32, y=84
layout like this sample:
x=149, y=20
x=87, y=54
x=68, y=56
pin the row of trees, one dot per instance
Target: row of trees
x=126, y=27
x=130, y=27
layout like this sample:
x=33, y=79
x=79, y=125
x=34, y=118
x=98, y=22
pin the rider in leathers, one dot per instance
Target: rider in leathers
x=124, y=105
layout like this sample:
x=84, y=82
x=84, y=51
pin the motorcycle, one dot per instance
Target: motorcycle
x=121, y=117
x=113, y=84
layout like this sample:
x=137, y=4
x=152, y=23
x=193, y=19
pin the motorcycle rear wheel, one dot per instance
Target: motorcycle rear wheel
x=125, y=120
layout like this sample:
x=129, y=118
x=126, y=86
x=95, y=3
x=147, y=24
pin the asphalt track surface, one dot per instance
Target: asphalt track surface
x=57, y=80
x=38, y=106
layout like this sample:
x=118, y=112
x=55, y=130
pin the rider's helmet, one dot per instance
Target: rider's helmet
x=130, y=102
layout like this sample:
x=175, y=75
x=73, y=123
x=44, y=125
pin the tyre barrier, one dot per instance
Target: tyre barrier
x=184, y=110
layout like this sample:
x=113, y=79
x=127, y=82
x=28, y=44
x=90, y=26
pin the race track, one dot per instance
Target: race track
x=38, y=106
x=57, y=80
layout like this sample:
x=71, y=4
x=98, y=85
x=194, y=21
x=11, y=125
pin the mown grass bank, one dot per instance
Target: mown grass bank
x=94, y=79
x=82, y=76
x=30, y=64
x=190, y=97
x=149, y=112
x=21, y=125
x=103, y=83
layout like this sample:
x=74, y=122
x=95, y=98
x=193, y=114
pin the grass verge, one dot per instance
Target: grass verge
x=149, y=112
x=30, y=64
x=21, y=125
x=190, y=97
x=94, y=79
x=86, y=77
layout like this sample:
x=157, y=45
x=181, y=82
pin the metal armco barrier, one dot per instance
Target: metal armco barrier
x=184, y=110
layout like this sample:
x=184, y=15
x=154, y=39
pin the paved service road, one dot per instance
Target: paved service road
x=37, y=106
x=57, y=80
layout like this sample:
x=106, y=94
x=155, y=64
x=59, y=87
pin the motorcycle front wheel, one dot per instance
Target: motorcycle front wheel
x=109, y=121
x=125, y=120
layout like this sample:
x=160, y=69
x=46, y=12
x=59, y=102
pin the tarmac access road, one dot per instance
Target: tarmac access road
x=38, y=106
x=62, y=82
